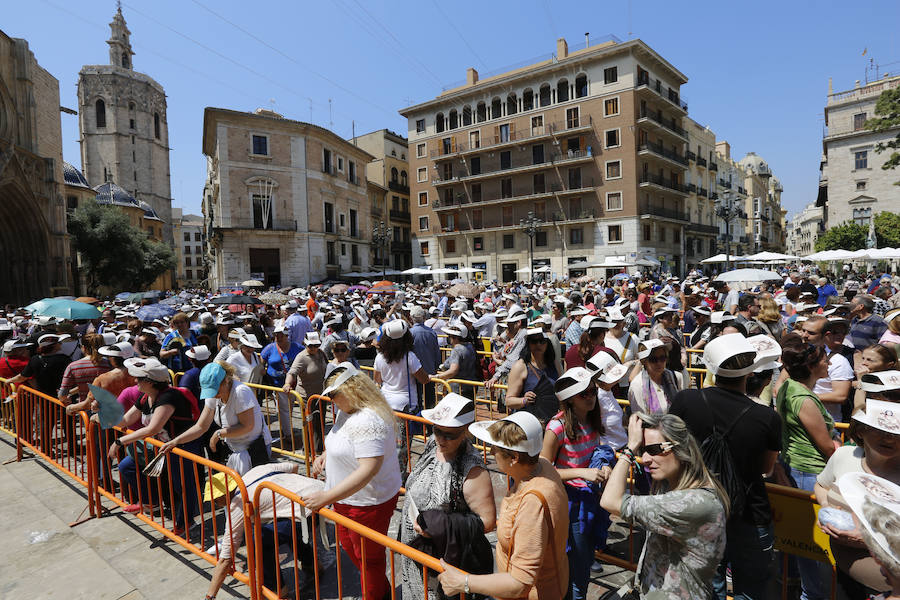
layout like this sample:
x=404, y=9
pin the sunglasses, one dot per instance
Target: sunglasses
x=657, y=449
x=657, y=359
x=448, y=435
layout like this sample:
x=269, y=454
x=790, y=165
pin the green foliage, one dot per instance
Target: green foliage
x=887, y=229
x=888, y=110
x=113, y=253
x=846, y=236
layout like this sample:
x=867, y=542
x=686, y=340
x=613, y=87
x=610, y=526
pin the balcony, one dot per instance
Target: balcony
x=713, y=166
x=690, y=155
x=496, y=142
x=570, y=216
x=400, y=215
x=277, y=225
x=745, y=239
x=713, y=195
x=401, y=246
x=661, y=152
x=649, y=210
x=701, y=162
x=692, y=188
x=741, y=190
x=398, y=187
x=555, y=189
x=663, y=183
x=571, y=157
x=702, y=191
x=763, y=238
x=495, y=223
x=376, y=211
x=656, y=121
x=699, y=228
x=725, y=184
x=654, y=85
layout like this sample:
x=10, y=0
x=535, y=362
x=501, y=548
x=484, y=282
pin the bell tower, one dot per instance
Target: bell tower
x=119, y=41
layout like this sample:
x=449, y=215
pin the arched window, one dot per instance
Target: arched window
x=581, y=87
x=100, y=113
x=481, y=112
x=562, y=90
x=403, y=178
x=131, y=106
x=512, y=104
x=454, y=119
x=545, y=95
x=439, y=122
x=125, y=59
x=467, y=115
x=495, y=108
x=156, y=125
x=394, y=174
x=528, y=99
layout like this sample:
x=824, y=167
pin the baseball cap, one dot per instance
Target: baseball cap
x=211, y=377
x=149, y=368
x=573, y=382
x=50, y=339
x=452, y=411
x=534, y=433
x=724, y=347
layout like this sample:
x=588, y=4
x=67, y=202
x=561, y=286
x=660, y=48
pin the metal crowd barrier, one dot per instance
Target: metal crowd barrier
x=7, y=407
x=294, y=446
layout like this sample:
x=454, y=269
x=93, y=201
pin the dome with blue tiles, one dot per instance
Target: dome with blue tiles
x=149, y=213
x=110, y=193
x=74, y=177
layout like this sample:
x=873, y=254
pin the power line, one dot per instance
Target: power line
x=459, y=33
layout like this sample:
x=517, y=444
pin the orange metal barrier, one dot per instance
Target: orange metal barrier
x=293, y=445
x=428, y=563
x=7, y=407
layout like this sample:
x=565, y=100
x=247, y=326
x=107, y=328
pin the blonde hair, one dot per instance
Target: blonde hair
x=229, y=369
x=768, y=310
x=361, y=392
x=510, y=434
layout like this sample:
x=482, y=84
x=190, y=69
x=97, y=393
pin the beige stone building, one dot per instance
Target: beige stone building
x=805, y=228
x=731, y=199
x=390, y=169
x=36, y=259
x=765, y=228
x=284, y=201
x=123, y=126
x=189, y=250
x=590, y=142
x=702, y=230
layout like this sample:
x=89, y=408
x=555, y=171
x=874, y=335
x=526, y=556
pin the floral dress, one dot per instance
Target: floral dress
x=685, y=542
x=428, y=487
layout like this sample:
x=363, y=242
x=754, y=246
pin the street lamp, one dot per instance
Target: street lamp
x=530, y=225
x=728, y=213
x=380, y=236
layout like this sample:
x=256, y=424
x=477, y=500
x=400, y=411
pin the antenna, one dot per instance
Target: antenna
x=330, y=116
x=272, y=104
x=310, y=110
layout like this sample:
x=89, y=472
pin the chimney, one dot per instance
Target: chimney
x=830, y=87
x=562, y=48
x=587, y=39
x=724, y=148
x=471, y=76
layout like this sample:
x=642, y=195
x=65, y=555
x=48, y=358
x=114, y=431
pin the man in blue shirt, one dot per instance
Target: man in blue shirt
x=296, y=324
x=427, y=349
x=826, y=290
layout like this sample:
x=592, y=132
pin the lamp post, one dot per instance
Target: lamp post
x=380, y=236
x=530, y=226
x=728, y=212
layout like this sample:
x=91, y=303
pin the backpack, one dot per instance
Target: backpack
x=719, y=460
x=192, y=402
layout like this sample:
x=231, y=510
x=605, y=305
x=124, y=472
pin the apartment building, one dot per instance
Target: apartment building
x=730, y=202
x=284, y=201
x=853, y=186
x=765, y=228
x=189, y=252
x=805, y=228
x=702, y=229
x=390, y=170
x=590, y=144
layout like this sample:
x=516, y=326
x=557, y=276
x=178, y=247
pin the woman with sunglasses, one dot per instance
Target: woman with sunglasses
x=362, y=478
x=806, y=435
x=652, y=390
x=876, y=431
x=532, y=378
x=448, y=479
x=874, y=359
x=572, y=443
x=684, y=515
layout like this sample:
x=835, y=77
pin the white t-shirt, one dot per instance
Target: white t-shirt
x=242, y=366
x=226, y=415
x=614, y=433
x=839, y=369
x=398, y=381
x=846, y=459
x=362, y=434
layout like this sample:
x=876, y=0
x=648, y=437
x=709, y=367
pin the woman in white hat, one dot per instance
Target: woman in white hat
x=876, y=431
x=246, y=361
x=448, y=478
x=397, y=368
x=653, y=389
x=533, y=521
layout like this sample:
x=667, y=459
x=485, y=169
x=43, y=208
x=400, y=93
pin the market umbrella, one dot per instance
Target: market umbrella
x=253, y=283
x=748, y=275
x=357, y=288
x=720, y=258
x=172, y=301
x=621, y=276
x=338, y=288
x=466, y=290
x=383, y=283
x=87, y=300
x=235, y=299
x=62, y=308
x=274, y=298
x=151, y=312
x=151, y=295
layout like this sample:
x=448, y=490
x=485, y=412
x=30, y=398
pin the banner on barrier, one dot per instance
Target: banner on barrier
x=796, y=531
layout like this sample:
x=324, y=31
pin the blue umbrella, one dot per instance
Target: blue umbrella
x=111, y=412
x=151, y=312
x=62, y=308
x=621, y=276
x=123, y=296
x=38, y=305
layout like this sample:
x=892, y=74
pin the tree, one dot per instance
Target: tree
x=113, y=253
x=888, y=109
x=887, y=229
x=846, y=236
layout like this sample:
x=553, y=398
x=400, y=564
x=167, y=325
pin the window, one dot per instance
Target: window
x=423, y=198
x=187, y=261
x=507, y=216
x=156, y=133
x=187, y=249
x=475, y=165
x=395, y=202
x=662, y=234
x=576, y=236
x=451, y=246
x=342, y=220
x=528, y=99
x=646, y=233
x=446, y=145
x=340, y=164
x=505, y=160
x=540, y=238
x=197, y=249
x=480, y=112
x=575, y=178
x=506, y=188
x=508, y=241
x=860, y=185
x=343, y=249
x=100, y=113
x=420, y=126
x=330, y=253
x=571, y=117
x=862, y=159
x=496, y=108
x=454, y=119
x=404, y=178
x=611, y=107
x=862, y=216
x=540, y=210
x=614, y=232
x=610, y=75
x=539, y=185
x=562, y=90
x=130, y=123
x=859, y=121
x=189, y=274
x=477, y=221
x=187, y=236
x=467, y=115
x=420, y=150
x=354, y=223
x=262, y=211
x=326, y=160
x=575, y=208
x=504, y=133
x=614, y=169
x=423, y=223
x=329, y=217
x=476, y=192
x=351, y=172
x=196, y=236
x=612, y=138
x=614, y=201
x=423, y=248
x=421, y=174
x=581, y=86
x=545, y=95
x=478, y=244
x=354, y=254
x=439, y=123
x=448, y=171
x=474, y=140
x=676, y=235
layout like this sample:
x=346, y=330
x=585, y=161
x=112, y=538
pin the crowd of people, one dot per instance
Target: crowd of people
x=700, y=391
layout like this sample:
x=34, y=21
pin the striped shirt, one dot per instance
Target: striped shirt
x=80, y=374
x=573, y=454
x=865, y=332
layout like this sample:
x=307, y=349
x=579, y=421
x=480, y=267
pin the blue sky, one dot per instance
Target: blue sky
x=758, y=71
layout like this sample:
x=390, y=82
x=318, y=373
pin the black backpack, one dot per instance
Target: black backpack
x=719, y=460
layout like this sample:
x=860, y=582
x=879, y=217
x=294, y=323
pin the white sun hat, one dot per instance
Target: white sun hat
x=347, y=370
x=120, y=349
x=452, y=411
x=200, y=352
x=881, y=415
x=606, y=368
x=724, y=347
x=460, y=330
x=768, y=351
x=648, y=347
x=881, y=381
x=573, y=382
x=862, y=492
x=395, y=329
x=534, y=433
